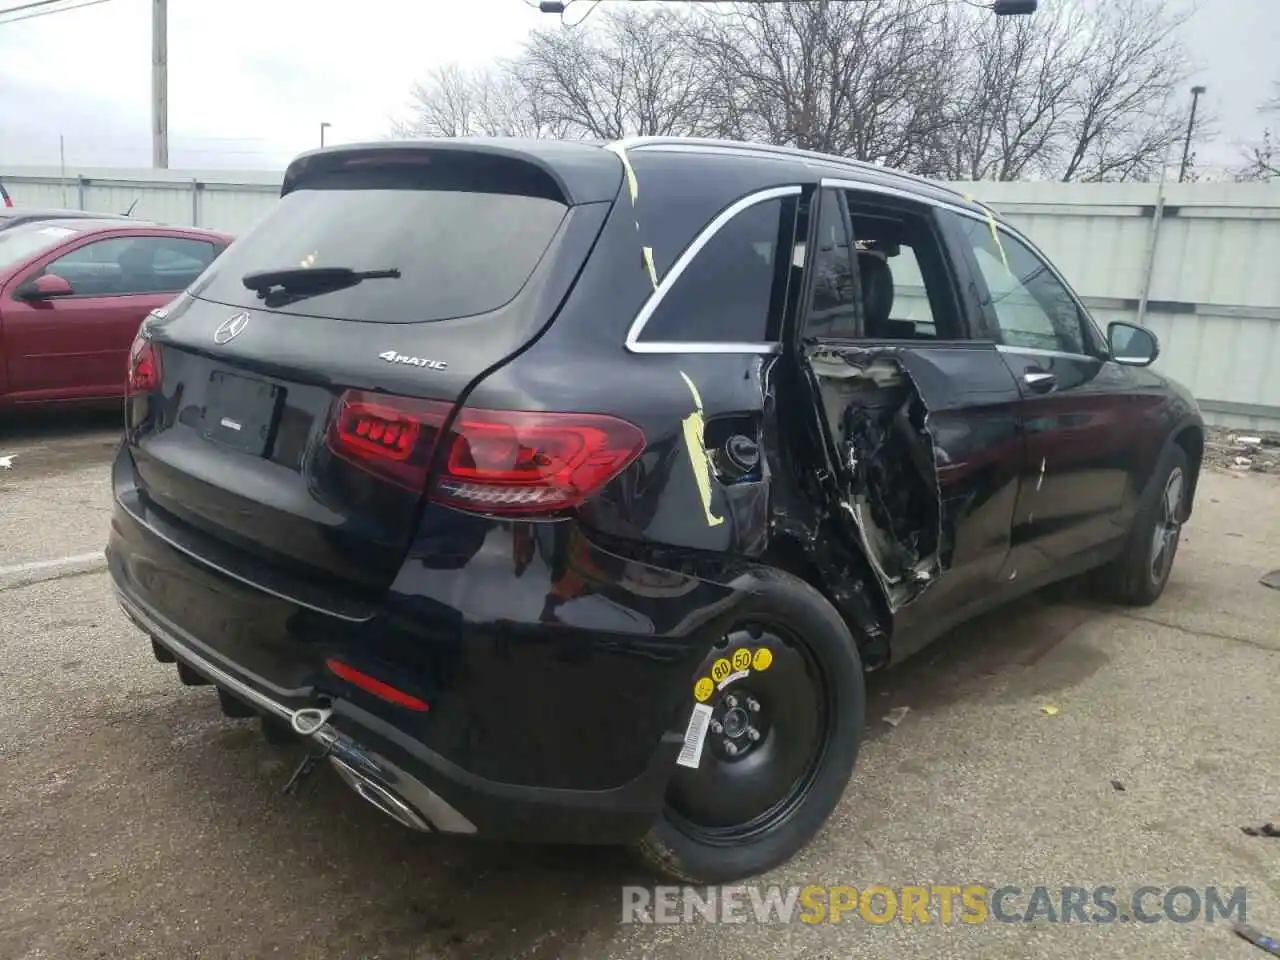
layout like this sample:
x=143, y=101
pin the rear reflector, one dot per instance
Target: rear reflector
x=144, y=366
x=373, y=685
x=495, y=461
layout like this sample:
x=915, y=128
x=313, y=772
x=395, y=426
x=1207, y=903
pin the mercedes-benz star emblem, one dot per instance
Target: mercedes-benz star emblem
x=231, y=328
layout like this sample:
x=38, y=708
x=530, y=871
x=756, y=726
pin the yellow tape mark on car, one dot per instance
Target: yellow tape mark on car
x=995, y=235
x=694, y=431
x=703, y=689
x=991, y=225
x=648, y=265
x=633, y=185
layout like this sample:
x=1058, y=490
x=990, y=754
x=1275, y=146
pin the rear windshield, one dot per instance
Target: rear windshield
x=459, y=253
x=26, y=240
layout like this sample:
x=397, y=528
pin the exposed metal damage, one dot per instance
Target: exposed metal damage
x=879, y=422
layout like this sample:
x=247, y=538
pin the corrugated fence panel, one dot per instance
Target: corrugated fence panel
x=1213, y=298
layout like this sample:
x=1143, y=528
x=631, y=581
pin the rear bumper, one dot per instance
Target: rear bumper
x=537, y=731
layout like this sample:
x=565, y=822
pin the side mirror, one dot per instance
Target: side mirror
x=1131, y=344
x=45, y=287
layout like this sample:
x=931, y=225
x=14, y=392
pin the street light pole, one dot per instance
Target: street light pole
x=160, y=84
x=1196, y=91
x=323, y=127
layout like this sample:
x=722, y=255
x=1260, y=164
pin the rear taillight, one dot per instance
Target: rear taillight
x=496, y=461
x=390, y=437
x=144, y=366
x=502, y=461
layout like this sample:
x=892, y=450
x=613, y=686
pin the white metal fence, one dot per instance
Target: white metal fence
x=1198, y=263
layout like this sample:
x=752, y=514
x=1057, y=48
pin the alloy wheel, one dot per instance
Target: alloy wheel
x=1168, y=526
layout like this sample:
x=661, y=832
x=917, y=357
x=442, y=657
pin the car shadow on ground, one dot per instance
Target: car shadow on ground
x=393, y=890
x=52, y=424
x=1014, y=644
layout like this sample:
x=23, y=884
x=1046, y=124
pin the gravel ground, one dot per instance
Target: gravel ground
x=136, y=821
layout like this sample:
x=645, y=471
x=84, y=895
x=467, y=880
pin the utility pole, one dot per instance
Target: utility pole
x=1196, y=91
x=323, y=127
x=160, y=84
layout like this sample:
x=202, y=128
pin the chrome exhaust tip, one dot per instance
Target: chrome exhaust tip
x=379, y=796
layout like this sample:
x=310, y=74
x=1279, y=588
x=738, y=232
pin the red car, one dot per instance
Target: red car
x=73, y=294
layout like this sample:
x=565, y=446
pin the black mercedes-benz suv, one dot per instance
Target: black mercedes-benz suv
x=564, y=492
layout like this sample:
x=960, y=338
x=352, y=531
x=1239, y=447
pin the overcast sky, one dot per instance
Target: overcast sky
x=250, y=81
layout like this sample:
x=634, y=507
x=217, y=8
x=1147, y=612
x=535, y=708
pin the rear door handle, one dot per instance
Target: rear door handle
x=1039, y=381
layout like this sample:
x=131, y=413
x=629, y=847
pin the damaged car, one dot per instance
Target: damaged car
x=562, y=492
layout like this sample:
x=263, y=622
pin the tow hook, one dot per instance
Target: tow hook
x=308, y=722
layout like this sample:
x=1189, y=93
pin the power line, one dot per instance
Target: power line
x=561, y=7
x=29, y=6
x=45, y=13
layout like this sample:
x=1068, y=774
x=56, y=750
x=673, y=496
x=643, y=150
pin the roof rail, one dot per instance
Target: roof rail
x=784, y=151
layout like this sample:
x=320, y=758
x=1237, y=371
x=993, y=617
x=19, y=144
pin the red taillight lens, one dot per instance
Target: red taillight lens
x=502, y=461
x=379, y=688
x=391, y=437
x=496, y=461
x=144, y=366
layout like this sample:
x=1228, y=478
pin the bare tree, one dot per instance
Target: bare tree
x=1121, y=116
x=632, y=73
x=1009, y=105
x=864, y=80
x=1084, y=90
x=491, y=101
x=1262, y=159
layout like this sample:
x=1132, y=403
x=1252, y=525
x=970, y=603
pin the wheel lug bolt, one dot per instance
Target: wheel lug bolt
x=731, y=701
x=731, y=748
x=753, y=734
x=717, y=726
x=753, y=705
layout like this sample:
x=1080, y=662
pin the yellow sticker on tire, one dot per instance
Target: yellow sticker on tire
x=703, y=689
x=741, y=658
x=720, y=669
x=763, y=659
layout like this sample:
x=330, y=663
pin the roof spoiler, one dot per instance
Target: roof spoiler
x=570, y=172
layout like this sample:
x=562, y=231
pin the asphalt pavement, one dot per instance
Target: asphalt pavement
x=1059, y=742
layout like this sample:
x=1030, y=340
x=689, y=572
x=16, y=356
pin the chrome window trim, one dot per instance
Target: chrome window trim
x=660, y=292
x=862, y=186
x=1038, y=352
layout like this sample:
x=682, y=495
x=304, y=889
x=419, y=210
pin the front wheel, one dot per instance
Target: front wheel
x=779, y=703
x=1139, y=575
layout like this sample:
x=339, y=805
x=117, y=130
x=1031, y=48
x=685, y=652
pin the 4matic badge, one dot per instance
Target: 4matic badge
x=392, y=357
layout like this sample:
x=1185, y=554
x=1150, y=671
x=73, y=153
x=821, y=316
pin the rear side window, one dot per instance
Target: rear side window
x=459, y=252
x=726, y=293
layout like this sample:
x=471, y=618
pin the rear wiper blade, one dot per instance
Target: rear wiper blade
x=312, y=279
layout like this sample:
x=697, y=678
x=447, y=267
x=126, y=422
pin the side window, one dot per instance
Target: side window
x=727, y=293
x=93, y=270
x=906, y=287
x=836, y=296
x=910, y=294
x=133, y=265
x=1032, y=308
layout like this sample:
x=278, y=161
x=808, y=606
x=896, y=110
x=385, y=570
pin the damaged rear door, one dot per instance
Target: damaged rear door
x=923, y=421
